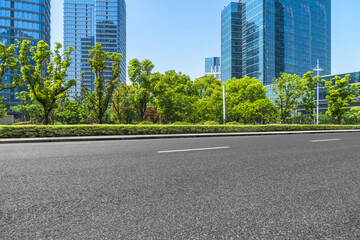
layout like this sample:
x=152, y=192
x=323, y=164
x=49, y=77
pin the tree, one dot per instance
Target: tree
x=246, y=101
x=88, y=108
x=151, y=115
x=80, y=97
x=174, y=96
x=104, y=89
x=266, y=111
x=120, y=98
x=308, y=97
x=46, y=80
x=25, y=100
x=130, y=113
x=288, y=90
x=208, y=105
x=353, y=117
x=340, y=95
x=30, y=109
x=9, y=63
x=139, y=74
x=69, y=112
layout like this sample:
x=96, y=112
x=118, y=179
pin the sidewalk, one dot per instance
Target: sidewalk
x=136, y=137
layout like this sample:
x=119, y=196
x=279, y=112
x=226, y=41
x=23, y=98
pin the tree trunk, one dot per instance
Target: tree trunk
x=339, y=120
x=46, y=119
x=100, y=120
x=119, y=118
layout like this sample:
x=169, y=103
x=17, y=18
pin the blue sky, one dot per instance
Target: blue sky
x=179, y=34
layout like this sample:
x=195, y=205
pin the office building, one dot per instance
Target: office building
x=264, y=38
x=212, y=67
x=87, y=22
x=22, y=20
x=231, y=41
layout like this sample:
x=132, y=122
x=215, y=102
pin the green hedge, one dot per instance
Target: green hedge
x=103, y=130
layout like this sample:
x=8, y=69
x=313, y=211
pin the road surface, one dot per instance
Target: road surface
x=259, y=187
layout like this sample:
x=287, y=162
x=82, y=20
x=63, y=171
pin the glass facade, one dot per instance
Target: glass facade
x=22, y=20
x=277, y=36
x=231, y=41
x=212, y=67
x=354, y=78
x=87, y=22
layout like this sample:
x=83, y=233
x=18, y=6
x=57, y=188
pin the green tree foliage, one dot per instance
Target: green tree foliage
x=139, y=74
x=46, y=80
x=174, y=96
x=25, y=101
x=340, y=95
x=326, y=119
x=246, y=101
x=353, y=117
x=69, y=112
x=208, y=106
x=120, y=101
x=288, y=89
x=308, y=97
x=29, y=109
x=9, y=63
x=85, y=100
x=104, y=89
x=88, y=108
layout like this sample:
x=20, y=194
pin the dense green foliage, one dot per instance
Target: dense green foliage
x=109, y=130
x=103, y=89
x=164, y=98
x=140, y=91
x=308, y=98
x=247, y=102
x=9, y=63
x=353, y=117
x=47, y=88
x=288, y=89
x=340, y=95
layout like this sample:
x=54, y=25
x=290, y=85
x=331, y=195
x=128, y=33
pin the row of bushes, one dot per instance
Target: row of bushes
x=108, y=130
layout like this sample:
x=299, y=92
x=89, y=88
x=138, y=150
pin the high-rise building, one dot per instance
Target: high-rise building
x=264, y=38
x=87, y=22
x=212, y=67
x=231, y=41
x=22, y=20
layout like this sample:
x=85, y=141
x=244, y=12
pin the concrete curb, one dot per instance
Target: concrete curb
x=136, y=137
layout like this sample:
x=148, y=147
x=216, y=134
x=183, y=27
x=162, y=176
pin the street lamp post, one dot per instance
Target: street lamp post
x=224, y=106
x=318, y=70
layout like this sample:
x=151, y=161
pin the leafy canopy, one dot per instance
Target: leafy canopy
x=47, y=77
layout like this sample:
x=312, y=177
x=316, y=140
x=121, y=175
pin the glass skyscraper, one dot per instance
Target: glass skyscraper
x=212, y=67
x=87, y=22
x=275, y=36
x=231, y=41
x=22, y=20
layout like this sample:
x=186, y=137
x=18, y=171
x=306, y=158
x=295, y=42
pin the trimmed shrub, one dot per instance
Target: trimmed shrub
x=181, y=123
x=233, y=123
x=32, y=131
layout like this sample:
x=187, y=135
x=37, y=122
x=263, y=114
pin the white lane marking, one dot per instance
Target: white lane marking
x=191, y=150
x=326, y=140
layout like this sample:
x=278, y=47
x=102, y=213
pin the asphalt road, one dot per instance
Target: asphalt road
x=263, y=187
